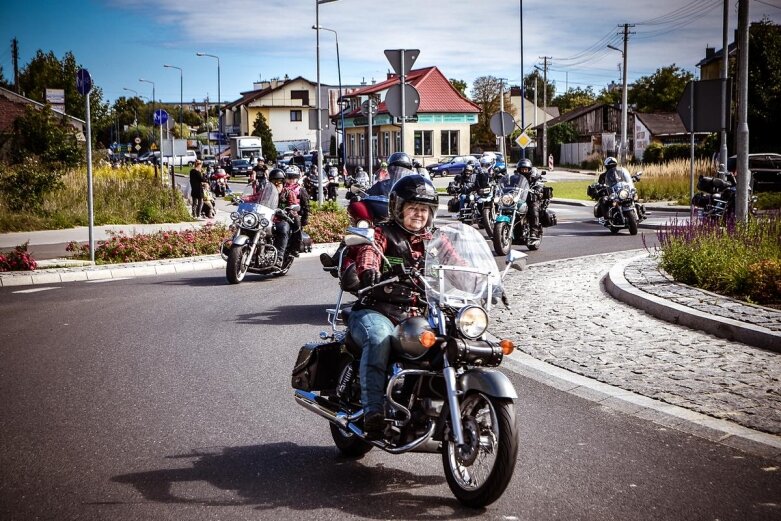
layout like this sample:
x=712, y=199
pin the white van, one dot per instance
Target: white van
x=188, y=159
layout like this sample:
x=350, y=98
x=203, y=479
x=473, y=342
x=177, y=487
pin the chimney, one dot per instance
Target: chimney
x=363, y=81
x=709, y=52
x=373, y=81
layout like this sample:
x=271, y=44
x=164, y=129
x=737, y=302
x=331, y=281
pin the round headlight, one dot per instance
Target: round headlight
x=623, y=194
x=507, y=199
x=249, y=220
x=264, y=222
x=234, y=216
x=472, y=321
x=362, y=223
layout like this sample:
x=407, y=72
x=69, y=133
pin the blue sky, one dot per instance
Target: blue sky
x=120, y=41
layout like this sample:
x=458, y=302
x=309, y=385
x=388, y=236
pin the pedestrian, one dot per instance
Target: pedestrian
x=550, y=161
x=196, y=188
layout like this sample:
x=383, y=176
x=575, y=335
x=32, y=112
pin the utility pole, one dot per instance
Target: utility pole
x=724, y=75
x=744, y=175
x=501, y=109
x=545, y=108
x=523, y=89
x=15, y=57
x=624, y=108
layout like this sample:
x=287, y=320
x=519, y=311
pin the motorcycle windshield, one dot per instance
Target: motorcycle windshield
x=510, y=184
x=382, y=188
x=264, y=194
x=460, y=268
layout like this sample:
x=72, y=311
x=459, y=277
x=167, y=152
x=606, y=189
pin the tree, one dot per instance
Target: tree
x=3, y=82
x=485, y=93
x=262, y=130
x=574, y=98
x=661, y=91
x=46, y=134
x=535, y=78
x=764, y=86
x=610, y=97
x=459, y=85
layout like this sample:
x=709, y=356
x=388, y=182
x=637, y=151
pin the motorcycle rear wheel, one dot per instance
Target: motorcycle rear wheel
x=237, y=264
x=478, y=473
x=348, y=443
x=501, y=238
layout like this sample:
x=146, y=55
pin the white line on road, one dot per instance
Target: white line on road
x=35, y=290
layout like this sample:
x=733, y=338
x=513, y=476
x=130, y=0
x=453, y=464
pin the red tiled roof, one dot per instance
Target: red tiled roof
x=436, y=92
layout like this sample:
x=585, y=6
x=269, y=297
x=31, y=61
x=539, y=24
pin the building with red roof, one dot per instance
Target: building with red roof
x=440, y=128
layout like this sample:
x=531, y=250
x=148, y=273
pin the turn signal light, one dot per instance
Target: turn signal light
x=427, y=339
x=507, y=346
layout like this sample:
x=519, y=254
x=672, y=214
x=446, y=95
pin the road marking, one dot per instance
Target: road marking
x=105, y=280
x=36, y=290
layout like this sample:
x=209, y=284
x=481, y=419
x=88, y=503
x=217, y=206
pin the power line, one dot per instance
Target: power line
x=693, y=9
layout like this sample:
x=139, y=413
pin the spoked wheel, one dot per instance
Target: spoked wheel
x=480, y=470
x=238, y=262
x=501, y=238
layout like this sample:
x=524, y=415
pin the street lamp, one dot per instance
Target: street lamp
x=623, y=103
x=317, y=106
x=339, y=71
x=135, y=114
x=142, y=80
x=219, y=116
x=181, y=103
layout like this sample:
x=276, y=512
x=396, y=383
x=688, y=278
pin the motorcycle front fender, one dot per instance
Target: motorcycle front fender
x=240, y=240
x=503, y=218
x=487, y=381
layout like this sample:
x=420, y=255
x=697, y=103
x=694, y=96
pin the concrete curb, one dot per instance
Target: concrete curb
x=619, y=288
x=127, y=270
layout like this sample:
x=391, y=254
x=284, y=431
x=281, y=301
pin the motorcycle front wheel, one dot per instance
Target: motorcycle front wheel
x=631, y=220
x=479, y=471
x=488, y=218
x=501, y=238
x=237, y=265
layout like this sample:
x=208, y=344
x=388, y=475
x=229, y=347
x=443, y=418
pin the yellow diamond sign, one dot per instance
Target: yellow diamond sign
x=523, y=140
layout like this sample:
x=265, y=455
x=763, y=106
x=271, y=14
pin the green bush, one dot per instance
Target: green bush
x=653, y=153
x=25, y=186
x=327, y=222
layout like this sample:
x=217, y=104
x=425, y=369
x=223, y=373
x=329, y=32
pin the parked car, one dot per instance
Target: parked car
x=147, y=157
x=452, y=166
x=240, y=167
x=209, y=160
x=765, y=171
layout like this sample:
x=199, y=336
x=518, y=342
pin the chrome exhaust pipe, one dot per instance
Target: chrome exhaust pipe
x=314, y=403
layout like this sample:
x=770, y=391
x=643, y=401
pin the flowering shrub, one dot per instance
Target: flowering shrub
x=120, y=247
x=742, y=260
x=17, y=260
x=327, y=222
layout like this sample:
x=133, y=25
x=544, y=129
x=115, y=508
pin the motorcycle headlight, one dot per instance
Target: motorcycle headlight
x=472, y=321
x=623, y=194
x=264, y=222
x=363, y=223
x=249, y=220
x=234, y=216
x=508, y=199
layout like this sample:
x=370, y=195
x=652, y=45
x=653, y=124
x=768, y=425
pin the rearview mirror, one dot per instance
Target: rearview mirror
x=516, y=260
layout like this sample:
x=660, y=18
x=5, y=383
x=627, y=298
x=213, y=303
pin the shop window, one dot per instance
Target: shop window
x=449, y=143
x=423, y=143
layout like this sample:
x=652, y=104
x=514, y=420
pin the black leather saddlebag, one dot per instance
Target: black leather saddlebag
x=453, y=205
x=548, y=218
x=317, y=367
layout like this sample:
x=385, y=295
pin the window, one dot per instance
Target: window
x=351, y=146
x=386, y=151
x=397, y=140
x=303, y=95
x=295, y=115
x=423, y=143
x=449, y=143
x=362, y=145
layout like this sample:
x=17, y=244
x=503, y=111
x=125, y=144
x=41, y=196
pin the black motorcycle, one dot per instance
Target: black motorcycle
x=716, y=197
x=441, y=394
x=514, y=196
x=619, y=202
x=252, y=246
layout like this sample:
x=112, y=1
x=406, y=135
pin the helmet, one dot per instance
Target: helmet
x=610, y=162
x=400, y=159
x=292, y=172
x=487, y=161
x=276, y=174
x=358, y=169
x=383, y=165
x=412, y=189
x=469, y=168
x=524, y=163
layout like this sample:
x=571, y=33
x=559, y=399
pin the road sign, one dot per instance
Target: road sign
x=523, y=140
x=369, y=106
x=137, y=140
x=325, y=121
x=83, y=82
x=496, y=123
x=137, y=147
x=161, y=117
x=707, y=103
x=394, y=57
x=411, y=100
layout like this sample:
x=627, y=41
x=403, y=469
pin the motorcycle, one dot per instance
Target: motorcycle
x=251, y=249
x=623, y=209
x=441, y=395
x=218, y=182
x=514, y=195
x=332, y=185
x=716, y=197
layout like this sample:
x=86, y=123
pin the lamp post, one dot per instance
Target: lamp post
x=181, y=103
x=219, y=116
x=317, y=106
x=135, y=114
x=142, y=80
x=623, y=102
x=339, y=72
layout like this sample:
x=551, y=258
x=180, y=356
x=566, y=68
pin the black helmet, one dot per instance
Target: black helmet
x=276, y=174
x=524, y=163
x=412, y=189
x=400, y=159
x=610, y=162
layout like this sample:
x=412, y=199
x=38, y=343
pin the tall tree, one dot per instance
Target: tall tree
x=536, y=79
x=574, y=98
x=3, y=82
x=611, y=97
x=459, y=85
x=485, y=93
x=261, y=129
x=661, y=91
x=764, y=86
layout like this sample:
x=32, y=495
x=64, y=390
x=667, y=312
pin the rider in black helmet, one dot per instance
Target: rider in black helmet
x=526, y=169
x=413, y=203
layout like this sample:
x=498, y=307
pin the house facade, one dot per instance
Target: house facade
x=663, y=129
x=441, y=126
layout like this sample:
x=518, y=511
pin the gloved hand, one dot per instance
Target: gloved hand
x=369, y=278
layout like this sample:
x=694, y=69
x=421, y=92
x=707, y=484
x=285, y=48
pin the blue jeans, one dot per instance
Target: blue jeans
x=372, y=331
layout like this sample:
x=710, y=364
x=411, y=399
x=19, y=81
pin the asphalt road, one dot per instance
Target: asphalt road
x=169, y=398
